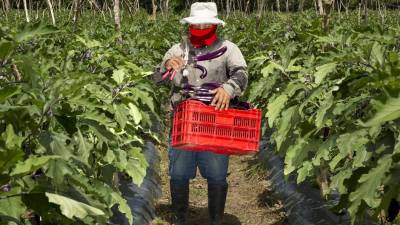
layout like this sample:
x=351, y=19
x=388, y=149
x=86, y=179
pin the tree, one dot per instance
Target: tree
x=287, y=5
x=76, y=13
x=117, y=19
x=301, y=5
x=364, y=5
x=26, y=11
x=325, y=7
x=154, y=5
x=51, y=11
x=7, y=5
x=278, y=6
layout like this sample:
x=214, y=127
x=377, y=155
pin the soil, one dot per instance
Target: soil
x=249, y=200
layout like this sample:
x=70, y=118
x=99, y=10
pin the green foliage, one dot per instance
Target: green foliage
x=73, y=122
x=333, y=100
x=79, y=114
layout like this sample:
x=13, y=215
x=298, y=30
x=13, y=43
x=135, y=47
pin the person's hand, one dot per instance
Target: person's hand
x=221, y=99
x=175, y=63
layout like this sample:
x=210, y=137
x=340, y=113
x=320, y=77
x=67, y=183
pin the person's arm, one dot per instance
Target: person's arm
x=172, y=59
x=237, y=72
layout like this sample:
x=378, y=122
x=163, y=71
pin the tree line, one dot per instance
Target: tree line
x=154, y=7
x=227, y=6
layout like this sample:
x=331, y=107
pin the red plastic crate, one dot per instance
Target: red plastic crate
x=199, y=127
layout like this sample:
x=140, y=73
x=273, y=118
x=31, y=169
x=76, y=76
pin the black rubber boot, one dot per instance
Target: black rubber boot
x=216, y=202
x=180, y=201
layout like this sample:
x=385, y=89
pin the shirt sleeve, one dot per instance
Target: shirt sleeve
x=160, y=70
x=237, y=72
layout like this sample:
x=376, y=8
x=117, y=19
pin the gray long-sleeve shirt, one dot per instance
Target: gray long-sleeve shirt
x=230, y=69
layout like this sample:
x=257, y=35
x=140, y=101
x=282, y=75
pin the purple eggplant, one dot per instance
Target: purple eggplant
x=203, y=70
x=208, y=56
x=200, y=93
x=211, y=86
x=211, y=55
x=202, y=99
x=188, y=87
x=237, y=104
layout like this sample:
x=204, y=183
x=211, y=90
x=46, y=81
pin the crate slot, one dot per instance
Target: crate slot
x=204, y=117
x=222, y=131
x=244, y=122
x=203, y=129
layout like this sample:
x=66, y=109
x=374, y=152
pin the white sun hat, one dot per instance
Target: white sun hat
x=203, y=13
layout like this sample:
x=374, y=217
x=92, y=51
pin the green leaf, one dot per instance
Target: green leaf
x=295, y=155
x=136, y=170
x=321, y=113
x=369, y=184
x=293, y=87
x=133, y=163
x=292, y=68
x=342, y=106
x=37, y=29
x=101, y=131
x=323, y=71
x=72, y=208
x=266, y=71
x=88, y=43
x=119, y=76
x=362, y=156
x=9, y=158
x=348, y=144
x=324, y=150
x=6, y=47
x=12, y=140
x=123, y=206
x=32, y=164
x=337, y=181
x=56, y=143
x=284, y=126
x=377, y=54
x=397, y=146
x=83, y=148
x=144, y=97
x=8, y=91
x=104, y=193
x=58, y=169
x=12, y=207
x=121, y=115
x=99, y=117
x=135, y=113
x=275, y=107
x=387, y=111
x=304, y=171
x=109, y=157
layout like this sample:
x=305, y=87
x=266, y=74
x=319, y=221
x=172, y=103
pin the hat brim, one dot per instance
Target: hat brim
x=202, y=20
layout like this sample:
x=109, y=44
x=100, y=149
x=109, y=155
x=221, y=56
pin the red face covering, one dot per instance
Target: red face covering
x=203, y=37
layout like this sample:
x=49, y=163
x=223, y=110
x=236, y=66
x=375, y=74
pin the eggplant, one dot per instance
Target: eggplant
x=203, y=70
x=211, y=86
x=237, y=104
x=188, y=87
x=208, y=56
x=211, y=55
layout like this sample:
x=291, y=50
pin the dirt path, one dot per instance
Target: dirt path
x=248, y=203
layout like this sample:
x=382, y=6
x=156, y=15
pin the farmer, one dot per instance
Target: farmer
x=228, y=69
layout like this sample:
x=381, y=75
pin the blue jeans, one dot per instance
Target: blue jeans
x=183, y=166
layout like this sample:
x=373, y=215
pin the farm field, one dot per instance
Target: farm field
x=78, y=105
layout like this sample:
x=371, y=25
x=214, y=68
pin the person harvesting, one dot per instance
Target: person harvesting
x=202, y=58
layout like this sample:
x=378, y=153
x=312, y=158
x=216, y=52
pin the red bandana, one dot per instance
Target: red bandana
x=203, y=37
